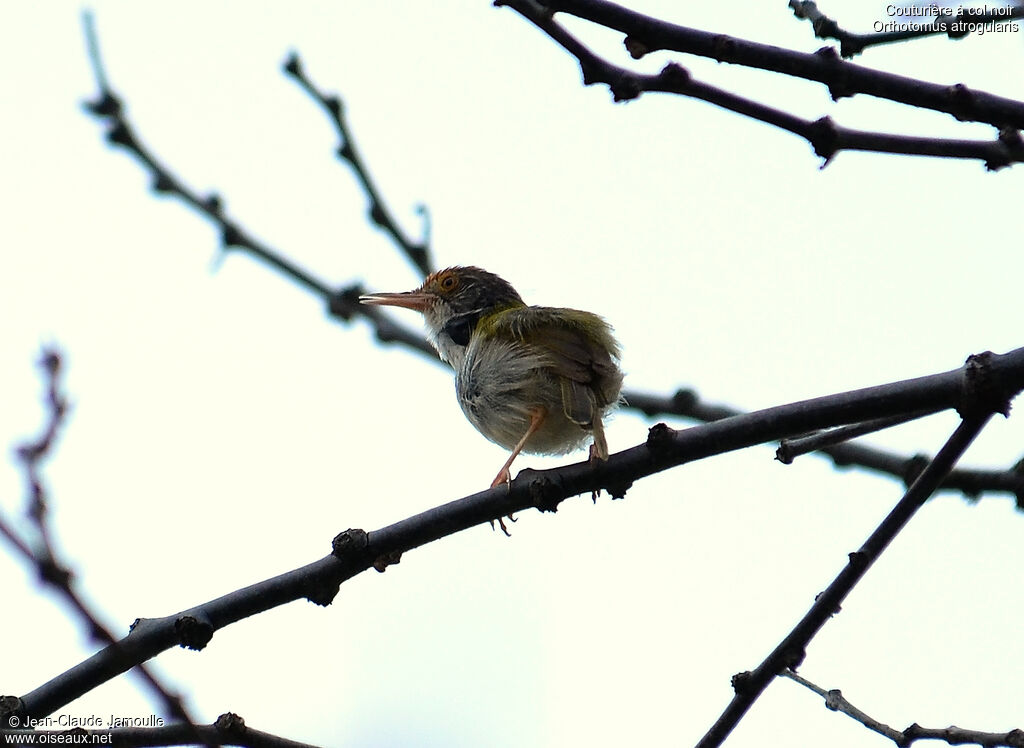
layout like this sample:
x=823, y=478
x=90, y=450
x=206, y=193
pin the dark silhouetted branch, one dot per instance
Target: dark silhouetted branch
x=956, y=24
x=229, y=729
x=826, y=137
x=418, y=253
x=51, y=569
x=645, y=34
x=986, y=382
x=790, y=449
x=835, y=701
x=790, y=652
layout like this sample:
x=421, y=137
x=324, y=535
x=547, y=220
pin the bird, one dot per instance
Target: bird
x=534, y=379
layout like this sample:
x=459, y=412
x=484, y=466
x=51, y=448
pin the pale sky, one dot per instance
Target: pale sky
x=224, y=429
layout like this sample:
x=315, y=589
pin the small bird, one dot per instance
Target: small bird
x=533, y=379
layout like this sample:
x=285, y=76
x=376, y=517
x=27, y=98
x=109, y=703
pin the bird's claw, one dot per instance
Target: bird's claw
x=501, y=523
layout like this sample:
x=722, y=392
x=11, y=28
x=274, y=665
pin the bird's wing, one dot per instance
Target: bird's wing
x=580, y=349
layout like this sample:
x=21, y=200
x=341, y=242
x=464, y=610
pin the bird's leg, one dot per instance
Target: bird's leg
x=598, y=450
x=537, y=416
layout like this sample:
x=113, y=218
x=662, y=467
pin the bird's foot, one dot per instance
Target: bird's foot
x=595, y=457
x=503, y=477
x=501, y=523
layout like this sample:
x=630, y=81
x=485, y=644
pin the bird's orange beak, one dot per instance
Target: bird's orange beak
x=417, y=300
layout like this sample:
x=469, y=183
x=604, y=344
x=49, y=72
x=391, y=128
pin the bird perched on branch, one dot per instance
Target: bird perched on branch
x=533, y=379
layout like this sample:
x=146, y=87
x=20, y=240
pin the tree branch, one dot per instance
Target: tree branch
x=835, y=701
x=229, y=729
x=645, y=34
x=986, y=382
x=824, y=135
x=791, y=650
x=52, y=570
x=418, y=253
x=955, y=25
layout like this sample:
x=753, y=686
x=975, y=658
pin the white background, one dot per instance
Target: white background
x=224, y=429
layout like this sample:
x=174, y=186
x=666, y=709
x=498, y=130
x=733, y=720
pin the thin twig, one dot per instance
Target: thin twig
x=790, y=651
x=945, y=21
x=418, y=252
x=52, y=570
x=790, y=449
x=229, y=729
x=835, y=701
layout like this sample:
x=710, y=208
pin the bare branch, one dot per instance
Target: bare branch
x=229, y=729
x=955, y=25
x=355, y=551
x=645, y=34
x=791, y=650
x=835, y=701
x=418, y=253
x=790, y=449
x=52, y=570
x=824, y=135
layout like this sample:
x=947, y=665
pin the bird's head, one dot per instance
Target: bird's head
x=452, y=301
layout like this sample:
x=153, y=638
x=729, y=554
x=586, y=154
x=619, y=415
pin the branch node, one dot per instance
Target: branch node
x=1018, y=470
x=293, y=66
x=12, y=712
x=214, y=205
x=230, y=725
x=637, y=49
x=625, y=88
x=838, y=82
x=545, y=493
x=381, y=563
x=833, y=699
x=858, y=559
x=193, y=633
x=376, y=214
x=334, y=106
x=793, y=658
x=231, y=236
x=961, y=101
x=824, y=138
x=119, y=134
x=617, y=489
x=659, y=439
x=684, y=399
x=982, y=393
x=323, y=594
x=107, y=105
x=350, y=542
x=740, y=681
x=675, y=75
x=723, y=47
x=1010, y=137
x=827, y=53
x=912, y=468
x=162, y=184
x=343, y=303
x=50, y=571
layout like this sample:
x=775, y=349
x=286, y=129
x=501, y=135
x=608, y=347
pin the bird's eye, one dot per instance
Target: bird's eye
x=449, y=282
x=460, y=328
